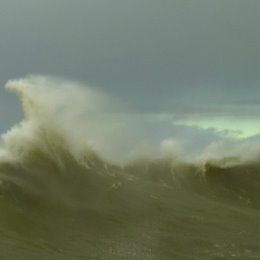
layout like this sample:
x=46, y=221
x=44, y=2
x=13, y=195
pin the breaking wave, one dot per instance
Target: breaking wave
x=74, y=148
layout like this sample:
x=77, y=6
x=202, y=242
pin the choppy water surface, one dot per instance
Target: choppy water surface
x=61, y=202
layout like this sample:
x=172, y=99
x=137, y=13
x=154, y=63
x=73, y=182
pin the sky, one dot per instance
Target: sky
x=194, y=61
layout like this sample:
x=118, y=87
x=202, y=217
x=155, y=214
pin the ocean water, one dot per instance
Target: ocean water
x=63, y=199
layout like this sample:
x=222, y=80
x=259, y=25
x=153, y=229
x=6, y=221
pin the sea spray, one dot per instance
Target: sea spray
x=83, y=177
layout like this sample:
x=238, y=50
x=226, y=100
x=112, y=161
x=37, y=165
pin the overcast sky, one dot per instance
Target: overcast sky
x=196, y=59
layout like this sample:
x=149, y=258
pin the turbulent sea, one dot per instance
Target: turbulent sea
x=63, y=199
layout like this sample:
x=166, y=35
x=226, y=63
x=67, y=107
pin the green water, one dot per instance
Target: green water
x=60, y=199
x=141, y=219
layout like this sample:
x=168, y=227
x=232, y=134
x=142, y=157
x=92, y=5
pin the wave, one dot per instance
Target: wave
x=64, y=150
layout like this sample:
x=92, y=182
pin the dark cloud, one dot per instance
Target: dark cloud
x=156, y=55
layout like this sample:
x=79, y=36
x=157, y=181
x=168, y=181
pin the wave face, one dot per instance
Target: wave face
x=71, y=190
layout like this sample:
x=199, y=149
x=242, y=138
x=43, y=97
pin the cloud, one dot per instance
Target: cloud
x=202, y=52
x=182, y=67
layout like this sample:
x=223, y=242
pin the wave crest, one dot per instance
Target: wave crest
x=62, y=150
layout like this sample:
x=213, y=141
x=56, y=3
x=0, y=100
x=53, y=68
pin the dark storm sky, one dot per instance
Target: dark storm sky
x=171, y=56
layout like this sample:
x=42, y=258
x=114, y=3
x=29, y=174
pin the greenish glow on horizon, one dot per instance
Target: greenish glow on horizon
x=228, y=126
